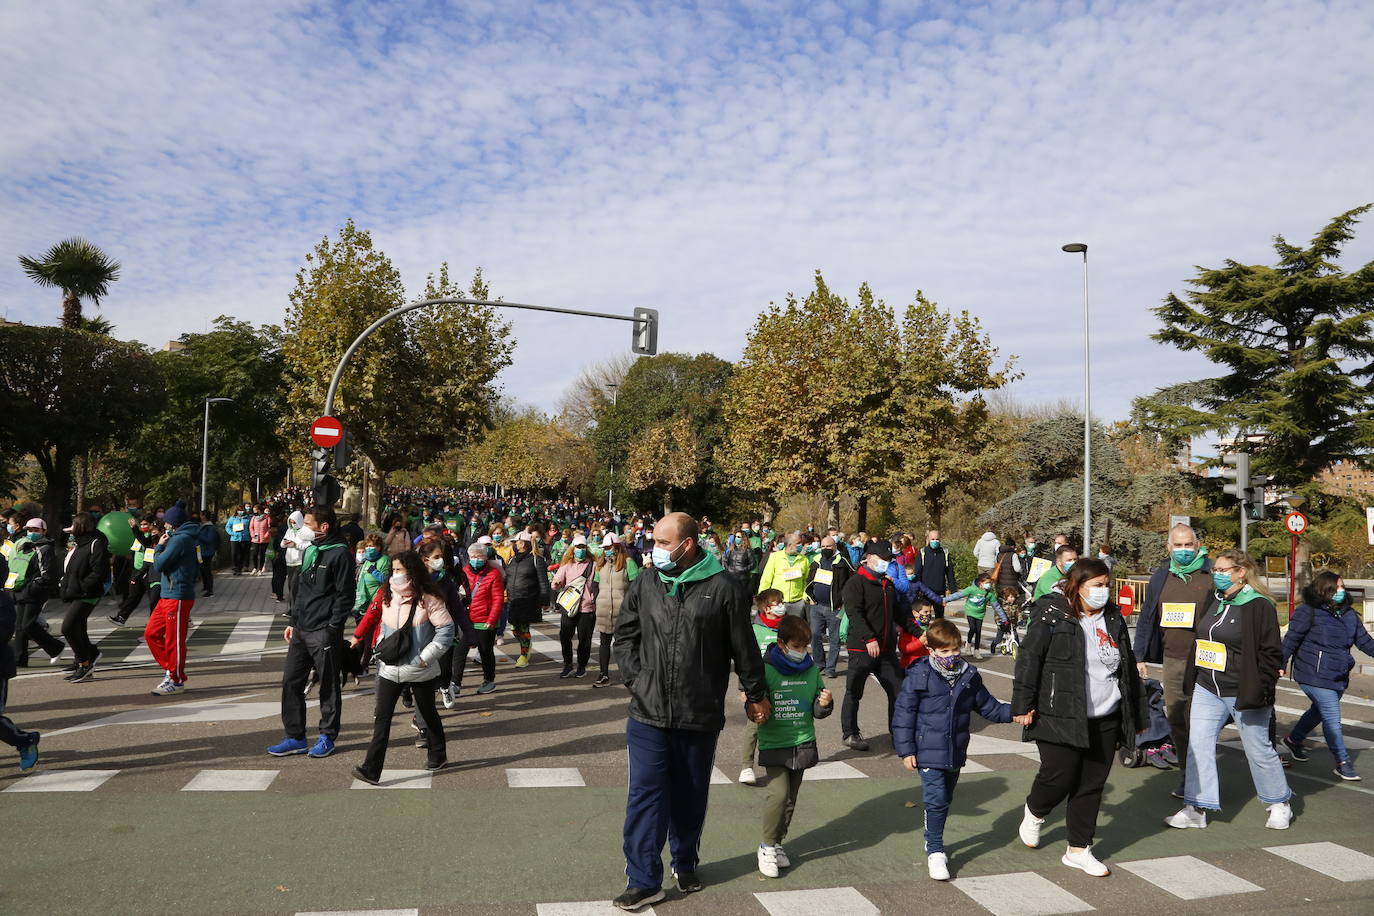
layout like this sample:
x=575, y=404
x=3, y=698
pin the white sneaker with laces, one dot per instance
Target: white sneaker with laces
x=1030, y=828
x=1188, y=817
x=166, y=688
x=768, y=861
x=938, y=866
x=1280, y=816
x=1086, y=861
x=449, y=697
x=747, y=777
x=781, y=856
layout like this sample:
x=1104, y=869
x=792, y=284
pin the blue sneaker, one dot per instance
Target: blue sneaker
x=289, y=747
x=1297, y=748
x=1346, y=770
x=323, y=747
x=28, y=756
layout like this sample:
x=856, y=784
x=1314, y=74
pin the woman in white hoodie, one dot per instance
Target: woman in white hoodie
x=297, y=538
x=409, y=590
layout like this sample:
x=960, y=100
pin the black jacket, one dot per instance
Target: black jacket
x=839, y=575
x=87, y=569
x=675, y=651
x=740, y=562
x=8, y=619
x=1008, y=576
x=41, y=582
x=324, y=591
x=1261, y=654
x=1051, y=676
x=527, y=579
x=935, y=569
x=875, y=613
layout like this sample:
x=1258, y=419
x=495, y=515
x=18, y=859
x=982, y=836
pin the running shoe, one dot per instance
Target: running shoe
x=324, y=746
x=289, y=747
x=1346, y=770
x=486, y=687
x=1297, y=748
x=28, y=755
x=637, y=898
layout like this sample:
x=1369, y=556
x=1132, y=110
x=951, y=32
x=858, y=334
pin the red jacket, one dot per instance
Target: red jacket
x=488, y=590
x=368, y=629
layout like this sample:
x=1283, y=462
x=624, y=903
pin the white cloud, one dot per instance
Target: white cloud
x=702, y=161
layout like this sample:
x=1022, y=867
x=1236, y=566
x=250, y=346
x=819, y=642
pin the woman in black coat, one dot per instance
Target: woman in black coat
x=1078, y=694
x=84, y=578
x=527, y=590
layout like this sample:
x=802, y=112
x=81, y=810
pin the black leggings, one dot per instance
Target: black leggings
x=975, y=632
x=584, y=624
x=27, y=628
x=604, y=653
x=1078, y=774
x=388, y=692
x=75, y=615
x=241, y=550
x=485, y=641
x=259, y=555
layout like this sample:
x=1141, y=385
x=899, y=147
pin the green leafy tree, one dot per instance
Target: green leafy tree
x=79, y=269
x=86, y=392
x=665, y=457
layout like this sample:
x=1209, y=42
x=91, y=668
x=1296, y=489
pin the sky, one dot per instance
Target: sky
x=702, y=159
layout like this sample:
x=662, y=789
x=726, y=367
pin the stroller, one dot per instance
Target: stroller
x=1154, y=745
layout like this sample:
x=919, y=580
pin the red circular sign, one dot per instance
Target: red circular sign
x=1295, y=522
x=326, y=432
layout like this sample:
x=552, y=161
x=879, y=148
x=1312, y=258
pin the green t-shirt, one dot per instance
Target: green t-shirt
x=792, y=696
x=1046, y=582
x=764, y=635
x=976, y=603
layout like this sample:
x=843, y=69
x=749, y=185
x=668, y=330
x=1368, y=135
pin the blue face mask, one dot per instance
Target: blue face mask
x=477, y=562
x=1222, y=581
x=1068, y=565
x=663, y=559
x=794, y=655
x=33, y=535
x=1338, y=596
x=1183, y=557
x=580, y=553
x=372, y=553
x=881, y=569
x=935, y=543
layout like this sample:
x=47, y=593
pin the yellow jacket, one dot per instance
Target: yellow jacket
x=787, y=574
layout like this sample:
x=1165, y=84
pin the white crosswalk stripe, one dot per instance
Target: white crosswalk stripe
x=249, y=638
x=63, y=781
x=544, y=777
x=832, y=901
x=1020, y=894
x=400, y=779
x=231, y=781
x=1188, y=877
x=1329, y=859
x=594, y=908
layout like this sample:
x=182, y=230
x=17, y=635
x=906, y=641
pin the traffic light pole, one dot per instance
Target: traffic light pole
x=645, y=335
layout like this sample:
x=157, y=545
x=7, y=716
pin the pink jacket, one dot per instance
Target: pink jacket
x=260, y=528
x=572, y=570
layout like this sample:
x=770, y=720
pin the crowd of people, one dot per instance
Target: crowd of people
x=678, y=605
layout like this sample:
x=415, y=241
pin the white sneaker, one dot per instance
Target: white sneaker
x=938, y=865
x=449, y=697
x=1189, y=817
x=1030, y=829
x=166, y=688
x=1087, y=862
x=1280, y=816
x=781, y=856
x=747, y=777
x=768, y=861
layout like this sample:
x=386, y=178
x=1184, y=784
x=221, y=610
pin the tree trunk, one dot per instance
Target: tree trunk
x=83, y=478
x=668, y=501
x=832, y=511
x=862, y=523
x=934, y=502
x=71, y=312
x=57, y=495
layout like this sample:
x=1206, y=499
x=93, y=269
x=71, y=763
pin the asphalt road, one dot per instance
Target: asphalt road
x=155, y=826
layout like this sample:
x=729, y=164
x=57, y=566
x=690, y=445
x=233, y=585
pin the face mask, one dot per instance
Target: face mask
x=794, y=655
x=580, y=553
x=1183, y=556
x=1068, y=565
x=1338, y=596
x=477, y=562
x=1222, y=581
x=306, y=534
x=372, y=553
x=1030, y=545
x=948, y=663
x=935, y=543
x=1097, y=597
x=435, y=563
x=663, y=559
x=11, y=528
x=33, y=535
x=358, y=557
x=827, y=552
x=880, y=568
x=497, y=537
x=400, y=583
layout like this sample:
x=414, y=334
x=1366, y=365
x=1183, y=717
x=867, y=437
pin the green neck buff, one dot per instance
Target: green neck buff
x=1183, y=572
x=704, y=568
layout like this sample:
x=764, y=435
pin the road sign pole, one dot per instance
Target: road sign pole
x=1292, y=575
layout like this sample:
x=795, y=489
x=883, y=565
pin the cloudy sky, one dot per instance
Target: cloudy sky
x=702, y=159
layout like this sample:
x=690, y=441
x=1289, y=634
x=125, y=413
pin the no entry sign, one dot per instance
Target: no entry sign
x=326, y=432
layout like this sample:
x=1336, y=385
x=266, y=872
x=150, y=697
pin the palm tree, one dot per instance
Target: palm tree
x=78, y=268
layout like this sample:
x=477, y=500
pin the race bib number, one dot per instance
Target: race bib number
x=1039, y=566
x=1177, y=614
x=570, y=600
x=11, y=579
x=791, y=575
x=238, y=526
x=198, y=559
x=825, y=576
x=1210, y=655
x=8, y=549
x=148, y=555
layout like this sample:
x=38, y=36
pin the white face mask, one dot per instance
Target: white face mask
x=435, y=563
x=1097, y=597
x=306, y=534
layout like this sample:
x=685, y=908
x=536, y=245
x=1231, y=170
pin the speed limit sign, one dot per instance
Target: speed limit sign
x=1295, y=522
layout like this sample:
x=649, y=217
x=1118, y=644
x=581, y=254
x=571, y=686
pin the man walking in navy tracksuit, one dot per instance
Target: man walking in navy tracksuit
x=682, y=623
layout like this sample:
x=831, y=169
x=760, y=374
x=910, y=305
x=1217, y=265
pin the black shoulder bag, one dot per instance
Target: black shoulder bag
x=395, y=647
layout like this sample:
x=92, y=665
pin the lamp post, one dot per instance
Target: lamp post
x=205, y=449
x=1082, y=248
x=610, y=483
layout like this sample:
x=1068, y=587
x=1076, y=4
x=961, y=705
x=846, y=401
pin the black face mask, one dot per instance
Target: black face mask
x=827, y=552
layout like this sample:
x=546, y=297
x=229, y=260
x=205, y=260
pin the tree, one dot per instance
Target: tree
x=78, y=268
x=947, y=363
x=594, y=390
x=1296, y=343
x=529, y=452
x=665, y=457
x=80, y=391
x=809, y=409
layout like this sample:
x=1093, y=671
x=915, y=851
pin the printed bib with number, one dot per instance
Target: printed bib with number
x=238, y=526
x=790, y=575
x=8, y=549
x=825, y=576
x=570, y=599
x=1210, y=655
x=198, y=559
x=1177, y=614
x=148, y=554
x=13, y=578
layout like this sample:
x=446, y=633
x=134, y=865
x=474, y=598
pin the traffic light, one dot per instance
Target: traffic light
x=342, y=453
x=1236, y=472
x=644, y=336
x=1256, y=496
x=325, y=488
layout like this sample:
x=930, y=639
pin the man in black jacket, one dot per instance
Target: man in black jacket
x=323, y=599
x=36, y=573
x=682, y=624
x=935, y=569
x=825, y=589
x=875, y=617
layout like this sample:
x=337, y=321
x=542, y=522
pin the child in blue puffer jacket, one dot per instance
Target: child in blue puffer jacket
x=930, y=728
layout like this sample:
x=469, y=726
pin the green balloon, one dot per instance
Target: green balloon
x=115, y=527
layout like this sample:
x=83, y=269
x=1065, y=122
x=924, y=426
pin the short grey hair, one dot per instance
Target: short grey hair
x=1182, y=527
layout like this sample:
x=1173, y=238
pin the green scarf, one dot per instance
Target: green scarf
x=1244, y=596
x=1183, y=572
x=704, y=568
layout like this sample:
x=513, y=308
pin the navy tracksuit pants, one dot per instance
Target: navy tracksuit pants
x=670, y=780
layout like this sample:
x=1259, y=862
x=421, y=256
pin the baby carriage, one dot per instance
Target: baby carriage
x=1154, y=745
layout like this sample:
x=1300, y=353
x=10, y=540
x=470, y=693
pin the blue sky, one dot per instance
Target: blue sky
x=703, y=159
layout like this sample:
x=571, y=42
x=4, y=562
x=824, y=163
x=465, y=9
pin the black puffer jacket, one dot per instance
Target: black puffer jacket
x=527, y=587
x=41, y=581
x=1008, y=577
x=875, y=613
x=87, y=569
x=740, y=562
x=675, y=651
x=1051, y=676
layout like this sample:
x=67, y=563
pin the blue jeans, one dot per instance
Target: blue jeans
x=670, y=782
x=825, y=622
x=1210, y=713
x=937, y=791
x=1325, y=708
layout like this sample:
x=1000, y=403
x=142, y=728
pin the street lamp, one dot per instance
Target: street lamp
x=610, y=483
x=205, y=449
x=1082, y=248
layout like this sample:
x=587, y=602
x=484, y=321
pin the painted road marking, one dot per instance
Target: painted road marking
x=231, y=781
x=832, y=901
x=1189, y=878
x=1022, y=893
x=543, y=777
x=1330, y=859
x=399, y=779
x=834, y=769
x=63, y=781
x=141, y=652
x=973, y=766
x=984, y=744
x=249, y=638
x=718, y=778
x=597, y=908
x=411, y=912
